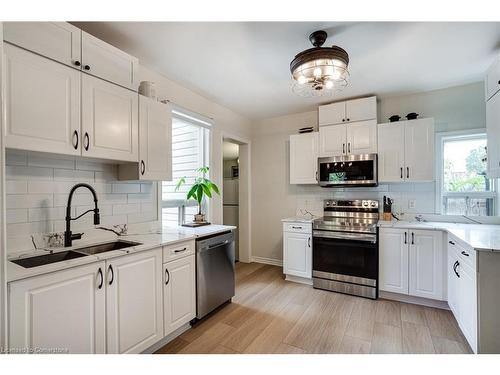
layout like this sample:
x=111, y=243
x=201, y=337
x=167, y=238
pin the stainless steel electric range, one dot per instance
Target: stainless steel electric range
x=345, y=247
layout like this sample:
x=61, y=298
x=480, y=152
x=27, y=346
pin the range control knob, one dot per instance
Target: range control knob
x=365, y=203
x=373, y=204
x=327, y=203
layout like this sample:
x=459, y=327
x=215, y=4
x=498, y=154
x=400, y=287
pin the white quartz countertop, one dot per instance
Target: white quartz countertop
x=148, y=241
x=298, y=219
x=481, y=237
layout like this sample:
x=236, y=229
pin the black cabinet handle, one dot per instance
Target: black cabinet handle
x=143, y=167
x=348, y=119
x=294, y=227
x=406, y=239
x=451, y=242
x=75, y=144
x=86, y=141
x=86, y=67
x=167, y=276
x=349, y=147
x=180, y=250
x=102, y=278
x=499, y=82
x=112, y=274
x=455, y=265
x=309, y=242
x=401, y=172
x=343, y=148
x=412, y=238
x=464, y=253
x=343, y=120
x=77, y=63
x=407, y=172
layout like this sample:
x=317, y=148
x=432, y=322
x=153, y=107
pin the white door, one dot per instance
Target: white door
x=42, y=103
x=179, y=293
x=362, y=137
x=109, y=120
x=493, y=135
x=361, y=109
x=134, y=302
x=391, y=152
x=426, y=264
x=304, y=158
x=58, y=41
x=107, y=62
x=332, y=140
x=393, y=260
x=230, y=191
x=155, y=140
x=468, y=304
x=453, y=281
x=419, y=150
x=331, y=114
x=297, y=259
x=60, y=310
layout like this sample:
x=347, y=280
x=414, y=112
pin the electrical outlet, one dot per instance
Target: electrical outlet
x=411, y=204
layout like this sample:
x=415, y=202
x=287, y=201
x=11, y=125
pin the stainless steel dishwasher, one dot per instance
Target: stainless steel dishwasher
x=214, y=272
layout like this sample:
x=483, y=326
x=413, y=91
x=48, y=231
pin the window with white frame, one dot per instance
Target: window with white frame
x=464, y=188
x=190, y=140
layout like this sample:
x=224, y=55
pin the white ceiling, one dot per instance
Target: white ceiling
x=245, y=66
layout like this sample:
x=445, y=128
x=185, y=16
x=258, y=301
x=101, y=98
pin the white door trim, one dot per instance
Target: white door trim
x=245, y=199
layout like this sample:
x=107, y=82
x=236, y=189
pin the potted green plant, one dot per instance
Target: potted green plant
x=201, y=187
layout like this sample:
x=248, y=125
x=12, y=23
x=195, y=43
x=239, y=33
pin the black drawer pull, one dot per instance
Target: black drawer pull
x=167, y=277
x=451, y=242
x=102, y=278
x=180, y=250
x=464, y=253
x=86, y=67
x=77, y=63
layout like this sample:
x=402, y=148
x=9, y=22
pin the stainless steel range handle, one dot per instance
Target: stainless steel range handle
x=346, y=236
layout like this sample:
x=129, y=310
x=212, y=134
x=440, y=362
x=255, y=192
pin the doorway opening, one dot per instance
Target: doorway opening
x=230, y=189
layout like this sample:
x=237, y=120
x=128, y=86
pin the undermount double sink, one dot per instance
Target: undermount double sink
x=60, y=256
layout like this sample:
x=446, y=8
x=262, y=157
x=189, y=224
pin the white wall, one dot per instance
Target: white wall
x=273, y=198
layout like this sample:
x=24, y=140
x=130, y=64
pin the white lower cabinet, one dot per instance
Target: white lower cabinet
x=297, y=249
x=63, y=310
x=411, y=262
x=134, y=308
x=179, y=293
x=462, y=289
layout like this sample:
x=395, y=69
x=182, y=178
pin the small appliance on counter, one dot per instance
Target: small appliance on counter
x=387, y=208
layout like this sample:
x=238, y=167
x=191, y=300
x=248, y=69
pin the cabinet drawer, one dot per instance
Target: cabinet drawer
x=297, y=227
x=465, y=253
x=178, y=250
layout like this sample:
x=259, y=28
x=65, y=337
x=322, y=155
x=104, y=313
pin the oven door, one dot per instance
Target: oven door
x=346, y=257
x=352, y=170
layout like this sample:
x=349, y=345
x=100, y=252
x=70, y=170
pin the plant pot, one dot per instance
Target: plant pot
x=199, y=218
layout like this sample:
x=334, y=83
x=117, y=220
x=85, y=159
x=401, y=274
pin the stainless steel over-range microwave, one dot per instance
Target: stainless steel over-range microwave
x=348, y=170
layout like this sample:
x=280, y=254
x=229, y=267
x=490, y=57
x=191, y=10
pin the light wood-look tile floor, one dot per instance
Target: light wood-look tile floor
x=271, y=315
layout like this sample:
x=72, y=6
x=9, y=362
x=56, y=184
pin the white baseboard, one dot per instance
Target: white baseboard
x=272, y=262
x=298, y=279
x=164, y=341
x=415, y=300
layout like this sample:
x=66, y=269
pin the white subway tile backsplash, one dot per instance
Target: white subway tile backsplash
x=17, y=216
x=48, y=213
x=41, y=187
x=126, y=188
x=120, y=209
x=38, y=159
x=15, y=157
x=139, y=198
x=15, y=172
x=16, y=187
x=147, y=188
x=29, y=201
x=73, y=175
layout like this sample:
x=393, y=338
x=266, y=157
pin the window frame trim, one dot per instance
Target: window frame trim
x=441, y=137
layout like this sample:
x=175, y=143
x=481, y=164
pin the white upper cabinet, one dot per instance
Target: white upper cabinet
x=58, y=41
x=42, y=103
x=107, y=62
x=179, y=293
x=134, y=303
x=492, y=80
x=304, y=158
x=109, y=120
x=393, y=260
x=419, y=150
x=362, y=137
x=332, y=140
x=64, y=309
x=348, y=111
x=406, y=151
x=426, y=264
x=493, y=135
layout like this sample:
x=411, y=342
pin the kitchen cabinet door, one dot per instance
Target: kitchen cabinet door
x=362, y=137
x=393, y=260
x=63, y=310
x=102, y=60
x=297, y=254
x=179, y=293
x=468, y=304
x=453, y=281
x=134, y=302
x=361, y=109
x=59, y=41
x=42, y=103
x=493, y=135
x=304, y=158
x=426, y=264
x=391, y=152
x=109, y=121
x=332, y=140
x=331, y=114
x=419, y=150
x=492, y=80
